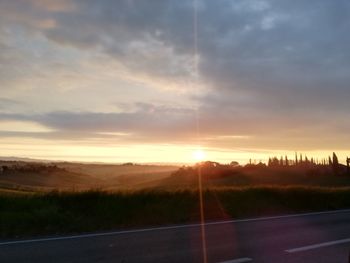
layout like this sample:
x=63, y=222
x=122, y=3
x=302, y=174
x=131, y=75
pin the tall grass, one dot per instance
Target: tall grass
x=74, y=212
x=71, y=212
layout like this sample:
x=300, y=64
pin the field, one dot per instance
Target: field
x=54, y=213
x=61, y=198
x=66, y=176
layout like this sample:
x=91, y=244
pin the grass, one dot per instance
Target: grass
x=23, y=215
x=69, y=212
x=262, y=201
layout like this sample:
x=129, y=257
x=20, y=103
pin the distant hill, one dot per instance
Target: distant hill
x=39, y=176
x=22, y=159
x=217, y=175
x=30, y=174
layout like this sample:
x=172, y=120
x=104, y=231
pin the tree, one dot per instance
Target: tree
x=281, y=161
x=269, y=162
x=330, y=161
x=335, y=164
x=234, y=163
x=286, y=161
x=335, y=159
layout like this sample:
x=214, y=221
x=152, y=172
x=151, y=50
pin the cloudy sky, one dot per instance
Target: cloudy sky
x=122, y=80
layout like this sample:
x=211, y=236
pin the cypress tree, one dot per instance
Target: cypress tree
x=335, y=164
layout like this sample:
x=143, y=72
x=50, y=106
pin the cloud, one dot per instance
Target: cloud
x=54, y=6
x=145, y=122
x=267, y=69
x=6, y=103
x=148, y=123
x=33, y=14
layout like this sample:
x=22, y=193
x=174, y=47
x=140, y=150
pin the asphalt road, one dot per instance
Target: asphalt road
x=318, y=237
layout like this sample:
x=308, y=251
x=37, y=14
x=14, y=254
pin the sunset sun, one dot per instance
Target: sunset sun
x=198, y=155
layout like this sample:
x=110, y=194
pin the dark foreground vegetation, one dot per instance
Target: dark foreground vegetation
x=53, y=213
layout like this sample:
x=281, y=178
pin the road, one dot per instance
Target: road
x=314, y=237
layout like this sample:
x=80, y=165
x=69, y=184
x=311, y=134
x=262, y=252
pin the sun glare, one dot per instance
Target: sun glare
x=198, y=155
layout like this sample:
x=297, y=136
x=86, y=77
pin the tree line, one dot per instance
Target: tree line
x=301, y=161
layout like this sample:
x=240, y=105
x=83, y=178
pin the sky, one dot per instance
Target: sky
x=144, y=81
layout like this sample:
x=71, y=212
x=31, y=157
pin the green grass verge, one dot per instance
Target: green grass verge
x=23, y=215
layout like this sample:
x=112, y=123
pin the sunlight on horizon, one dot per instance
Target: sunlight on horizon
x=144, y=153
x=199, y=155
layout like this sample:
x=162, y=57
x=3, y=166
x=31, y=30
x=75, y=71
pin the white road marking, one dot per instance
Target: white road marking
x=315, y=246
x=238, y=260
x=113, y=233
